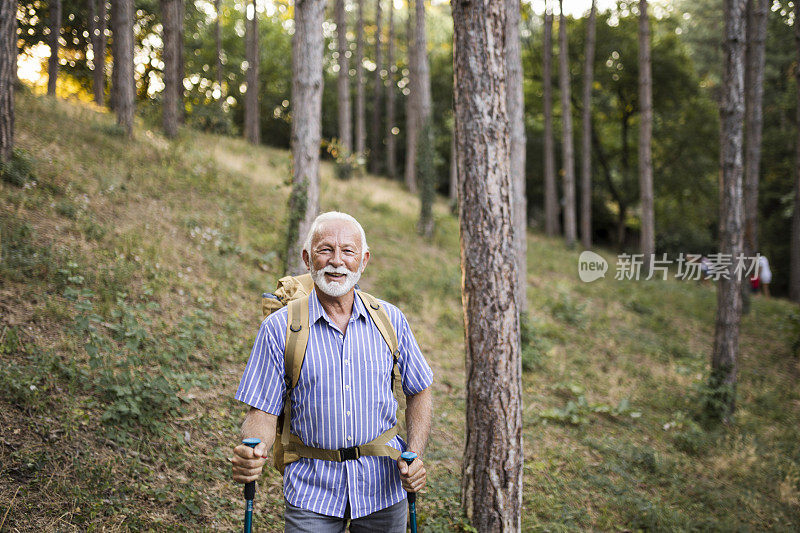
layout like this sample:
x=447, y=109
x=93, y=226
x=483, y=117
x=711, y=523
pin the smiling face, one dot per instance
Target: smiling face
x=335, y=258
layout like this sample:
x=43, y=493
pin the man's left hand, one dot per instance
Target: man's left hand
x=413, y=476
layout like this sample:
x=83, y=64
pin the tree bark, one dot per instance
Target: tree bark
x=648, y=235
x=8, y=76
x=794, y=248
x=126, y=93
x=754, y=92
x=252, y=121
x=170, y=13
x=112, y=96
x=361, y=131
x=729, y=295
x=52, y=39
x=453, y=171
x=343, y=81
x=181, y=63
x=307, y=50
x=491, y=492
x=391, y=87
x=552, y=225
x=410, y=170
x=586, y=133
x=97, y=31
x=426, y=175
x=516, y=120
x=218, y=40
x=377, y=97
x=570, y=223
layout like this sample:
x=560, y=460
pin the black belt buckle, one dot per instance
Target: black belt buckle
x=347, y=454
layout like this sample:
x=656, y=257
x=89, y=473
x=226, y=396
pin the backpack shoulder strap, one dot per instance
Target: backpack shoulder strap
x=297, y=331
x=381, y=319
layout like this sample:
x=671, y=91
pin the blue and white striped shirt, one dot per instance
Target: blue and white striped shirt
x=343, y=398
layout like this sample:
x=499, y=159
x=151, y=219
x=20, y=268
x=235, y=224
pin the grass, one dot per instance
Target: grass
x=130, y=282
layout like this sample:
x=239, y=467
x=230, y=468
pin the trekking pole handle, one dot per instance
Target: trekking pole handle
x=250, y=486
x=409, y=457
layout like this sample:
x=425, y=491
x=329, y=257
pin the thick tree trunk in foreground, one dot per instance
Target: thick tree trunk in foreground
x=493, y=454
x=648, y=236
x=426, y=175
x=570, y=223
x=361, y=130
x=52, y=39
x=516, y=120
x=754, y=93
x=218, y=41
x=586, y=133
x=377, y=97
x=552, y=225
x=412, y=126
x=453, y=171
x=307, y=49
x=97, y=30
x=252, y=120
x=391, y=87
x=170, y=13
x=729, y=295
x=123, y=64
x=794, y=249
x=8, y=75
x=343, y=81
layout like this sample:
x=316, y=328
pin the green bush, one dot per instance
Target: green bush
x=18, y=170
x=21, y=258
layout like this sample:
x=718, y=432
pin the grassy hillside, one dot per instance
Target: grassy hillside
x=129, y=290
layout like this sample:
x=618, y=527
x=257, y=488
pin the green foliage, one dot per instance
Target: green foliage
x=565, y=308
x=534, y=345
x=18, y=170
x=22, y=258
x=346, y=164
x=578, y=410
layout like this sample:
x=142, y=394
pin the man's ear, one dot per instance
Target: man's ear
x=364, y=261
x=306, y=260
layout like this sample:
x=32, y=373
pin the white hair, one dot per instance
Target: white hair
x=328, y=217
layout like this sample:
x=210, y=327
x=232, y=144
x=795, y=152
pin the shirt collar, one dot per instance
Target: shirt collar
x=316, y=311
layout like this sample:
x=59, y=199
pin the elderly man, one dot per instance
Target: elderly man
x=343, y=398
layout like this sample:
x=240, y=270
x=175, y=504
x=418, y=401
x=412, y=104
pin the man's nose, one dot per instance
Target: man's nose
x=337, y=258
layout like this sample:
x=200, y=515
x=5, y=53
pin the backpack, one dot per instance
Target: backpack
x=293, y=292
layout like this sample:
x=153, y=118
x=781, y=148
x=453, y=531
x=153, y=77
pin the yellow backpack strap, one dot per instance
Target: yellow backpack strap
x=297, y=331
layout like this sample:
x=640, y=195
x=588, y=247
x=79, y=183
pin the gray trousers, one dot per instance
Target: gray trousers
x=389, y=520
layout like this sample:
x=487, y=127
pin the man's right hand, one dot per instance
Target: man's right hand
x=248, y=462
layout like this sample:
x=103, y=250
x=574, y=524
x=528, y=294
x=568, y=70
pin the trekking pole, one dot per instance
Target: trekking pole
x=249, y=491
x=409, y=457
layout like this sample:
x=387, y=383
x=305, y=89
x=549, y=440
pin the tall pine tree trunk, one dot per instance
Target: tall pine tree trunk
x=648, y=236
x=754, y=93
x=570, y=222
x=170, y=13
x=453, y=172
x=729, y=295
x=252, y=121
x=112, y=96
x=586, y=133
x=8, y=75
x=181, y=63
x=412, y=126
x=307, y=50
x=377, y=97
x=343, y=81
x=426, y=175
x=361, y=131
x=491, y=486
x=794, y=248
x=97, y=31
x=52, y=39
x=391, y=87
x=552, y=225
x=516, y=120
x=218, y=41
x=123, y=63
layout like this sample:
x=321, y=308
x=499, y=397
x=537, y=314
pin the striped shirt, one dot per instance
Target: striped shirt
x=342, y=399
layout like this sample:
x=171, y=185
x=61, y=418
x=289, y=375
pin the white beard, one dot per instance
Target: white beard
x=335, y=289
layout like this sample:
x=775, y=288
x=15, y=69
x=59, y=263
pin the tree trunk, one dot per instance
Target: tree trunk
x=8, y=76
x=453, y=172
x=52, y=39
x=552, y=225
x=170, y=13
x=570, y=223
x=794, y=250
x=647, y=242
x=252, y=121
x=729, y=295
x=516, y=120
x=307, y=51
x=754, y=93
x=426, y=175
x=97, y=35
x=586, y=136
x=361, y=131
x=491, y=492
x=377, y=97
x=126, y=94
x=410, y=170
x=181, y=63
x=112, y=96
x=218, y=40
x=391, y=147
x=343, y=81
